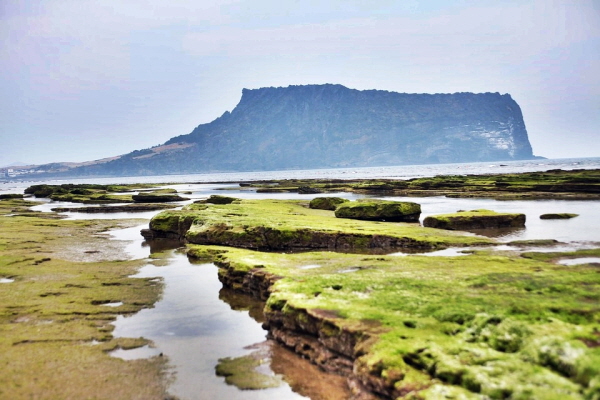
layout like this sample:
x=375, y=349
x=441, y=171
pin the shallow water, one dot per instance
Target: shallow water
x=194, y=328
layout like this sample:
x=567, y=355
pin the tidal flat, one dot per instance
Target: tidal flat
x=498, y=319
x=55, y=332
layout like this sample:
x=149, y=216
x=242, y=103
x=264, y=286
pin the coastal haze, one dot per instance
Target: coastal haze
x=84, y=83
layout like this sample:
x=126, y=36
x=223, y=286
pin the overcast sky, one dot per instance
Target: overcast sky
x=83, y=80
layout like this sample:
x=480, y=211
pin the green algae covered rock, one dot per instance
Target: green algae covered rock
x=290, y=224
x=158, y=196
x=11, y=196
x=326, y=203
x=475, y=219
x=380, y=210
x=558, y=216
x=217, y=199
x=479, y=326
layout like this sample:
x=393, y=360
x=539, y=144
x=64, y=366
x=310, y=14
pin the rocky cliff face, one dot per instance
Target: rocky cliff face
x=320, y=126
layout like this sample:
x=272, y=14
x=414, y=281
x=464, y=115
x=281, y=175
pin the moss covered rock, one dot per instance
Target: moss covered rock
x=326, y=203
x=290, y=224
x=217, y=199
x=482, y=326
x=11, y=196
x=380, y=210
x=475, y=219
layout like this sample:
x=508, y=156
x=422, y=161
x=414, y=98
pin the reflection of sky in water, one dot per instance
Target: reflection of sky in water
x=194, y=328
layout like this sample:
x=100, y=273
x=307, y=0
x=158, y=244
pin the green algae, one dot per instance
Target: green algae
x=477, y=325
x=574, y=184
x=475, y=219
x=379, y=210
x=87, y=193
x=53, y=327
x=288, y=224
x=242, y=372
x=326, y=203
x=217, y=199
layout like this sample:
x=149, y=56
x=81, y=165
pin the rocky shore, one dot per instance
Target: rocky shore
x=388, y=349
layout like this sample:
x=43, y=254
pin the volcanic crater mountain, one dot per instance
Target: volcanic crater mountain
x=328, y=126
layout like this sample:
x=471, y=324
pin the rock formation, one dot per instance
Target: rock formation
x=324, y=126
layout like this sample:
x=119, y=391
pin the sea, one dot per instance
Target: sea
x=18, y=184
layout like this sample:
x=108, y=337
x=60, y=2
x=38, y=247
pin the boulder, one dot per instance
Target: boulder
x=380, y=210
x=326, y=203
x=475, y=219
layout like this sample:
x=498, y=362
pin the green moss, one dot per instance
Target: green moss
x=575, y=184
x=242, y=372
x=52, y=313
x=218, y=199
x=482, y=325
x=86, y=193
x=326, y=203
x=475, y=219
x=379, y=210
x=287, y=224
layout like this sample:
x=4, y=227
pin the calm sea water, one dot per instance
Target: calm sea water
x=398, y=172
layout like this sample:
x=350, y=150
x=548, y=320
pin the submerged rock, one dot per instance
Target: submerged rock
x=558, y=216
x=380, y=210
x=475, y=219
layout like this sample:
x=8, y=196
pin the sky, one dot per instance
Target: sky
x=84, y=80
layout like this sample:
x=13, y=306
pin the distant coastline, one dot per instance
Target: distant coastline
x=16, y=183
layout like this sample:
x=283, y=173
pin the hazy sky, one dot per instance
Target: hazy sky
x=83, y=79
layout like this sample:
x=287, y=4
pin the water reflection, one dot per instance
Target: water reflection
x=192, y=327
